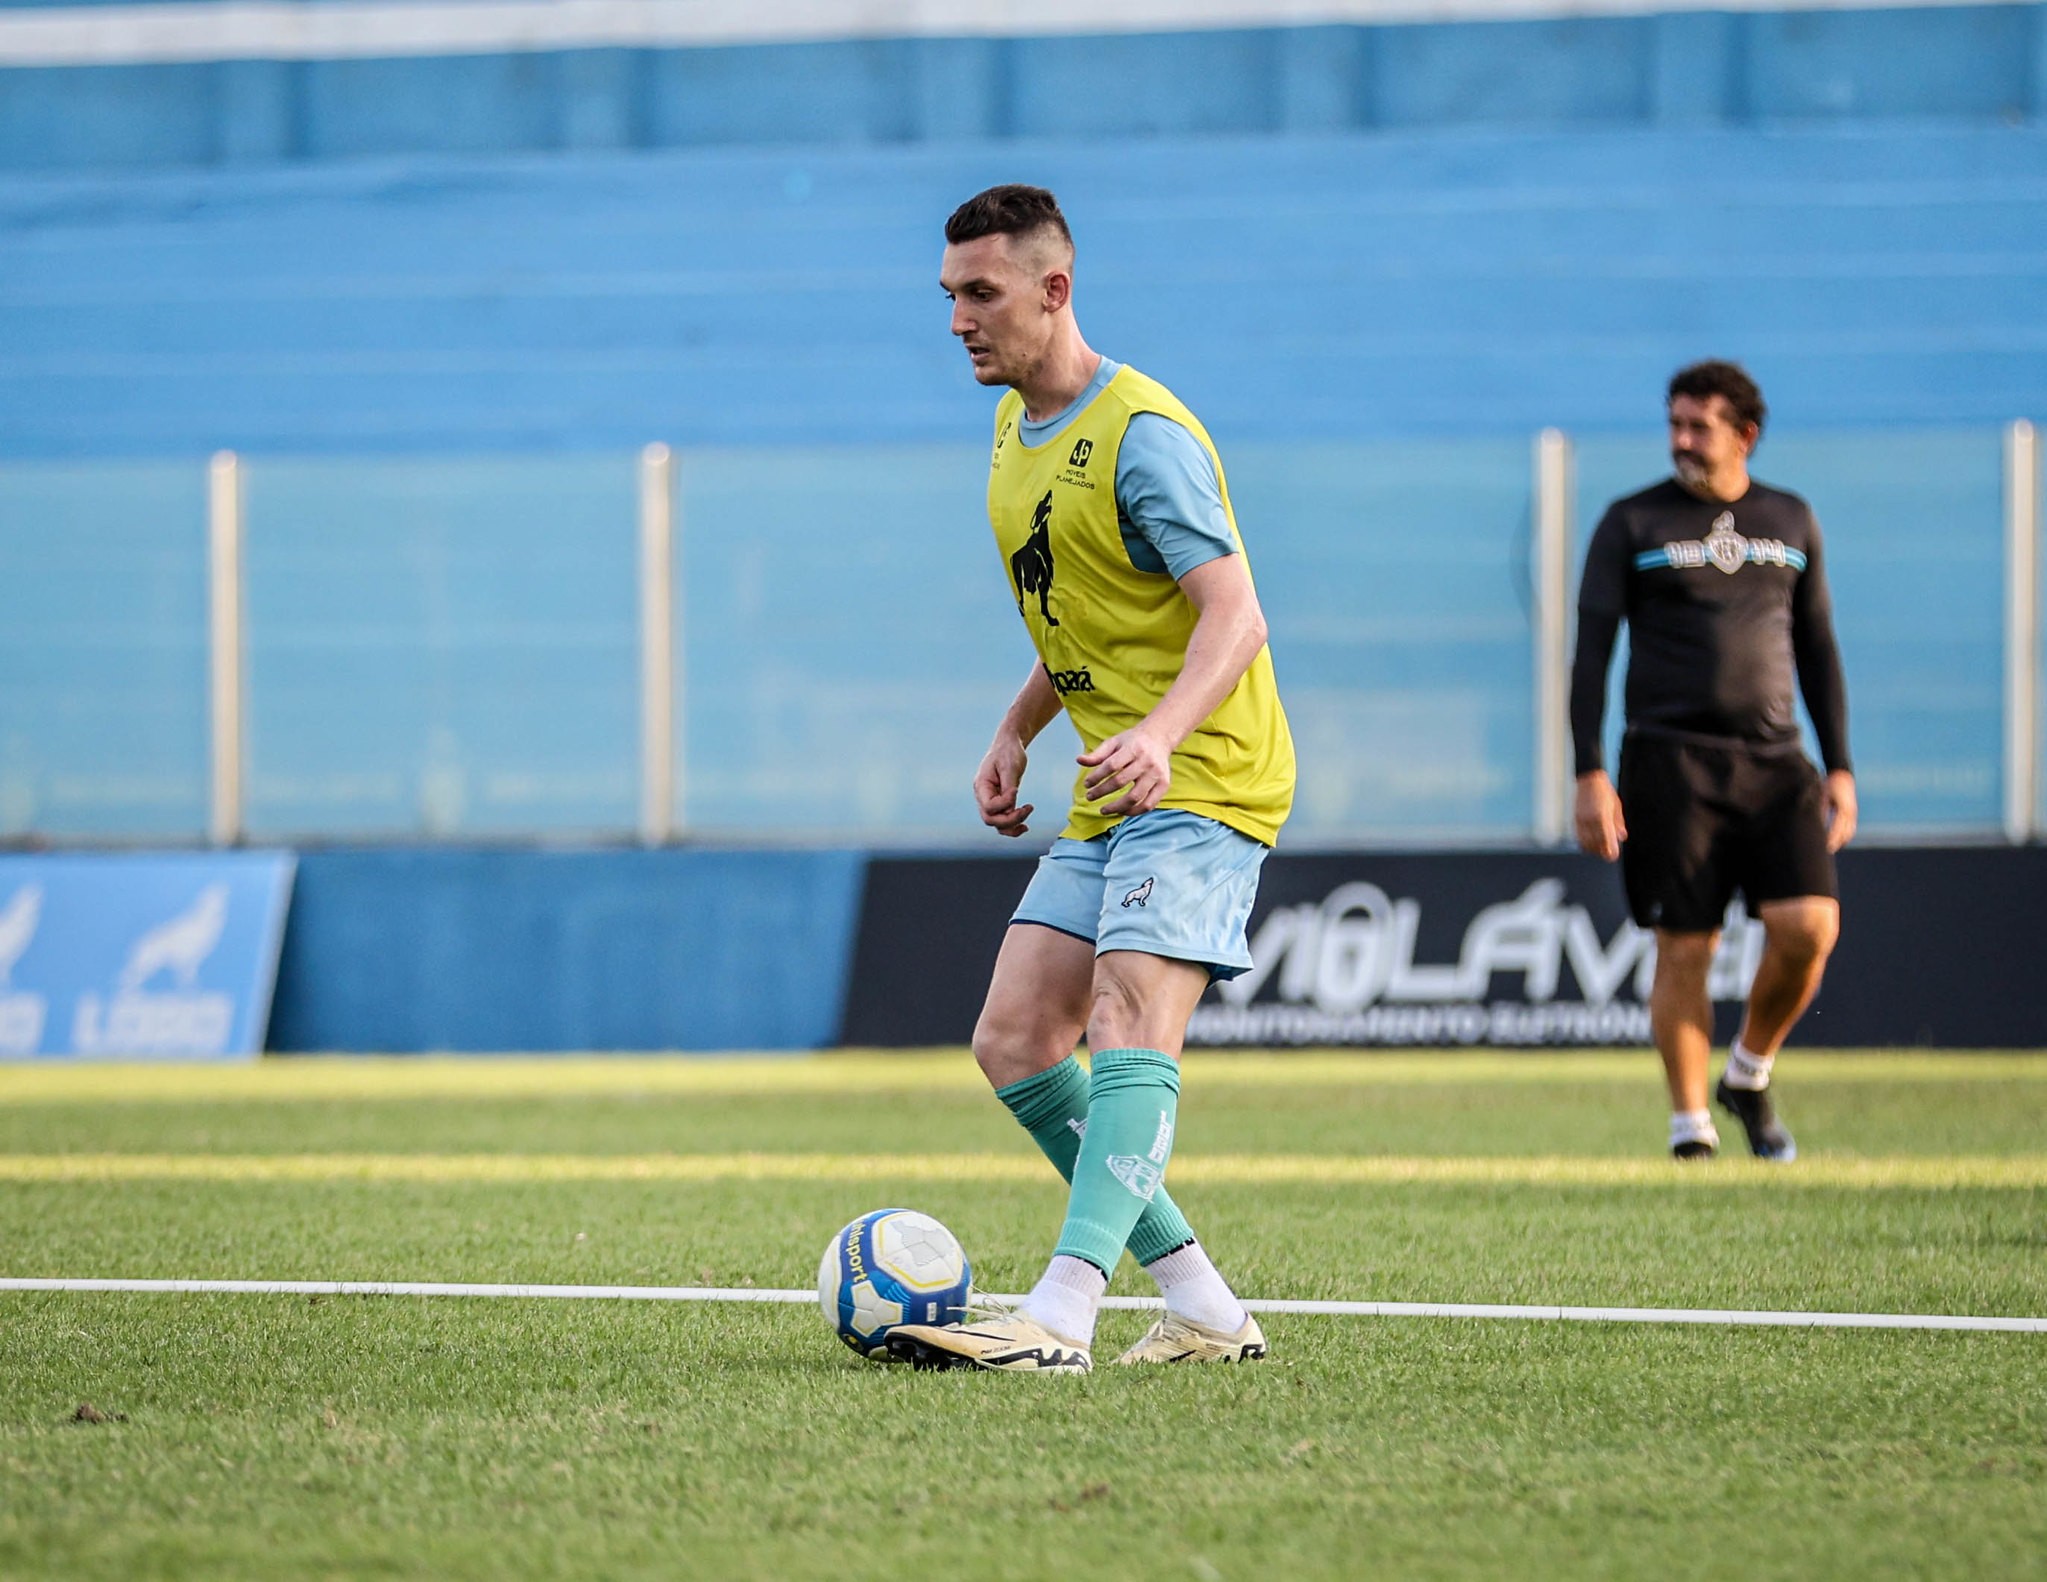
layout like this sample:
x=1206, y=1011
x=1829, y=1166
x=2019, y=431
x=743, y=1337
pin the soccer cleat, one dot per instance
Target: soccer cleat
x=1005, y=1339
x=1767, y=1138
x=1694, y=1148
x=1176, y=1339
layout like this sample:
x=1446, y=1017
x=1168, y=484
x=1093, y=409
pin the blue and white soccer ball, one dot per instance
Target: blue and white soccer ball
x=893, y=1266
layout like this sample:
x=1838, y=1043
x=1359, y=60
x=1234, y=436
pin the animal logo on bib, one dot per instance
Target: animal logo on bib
x=1031, y=566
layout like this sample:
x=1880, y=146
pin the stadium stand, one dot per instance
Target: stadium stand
x=1351, y=239
x=1545, y=216
x=1459, y=282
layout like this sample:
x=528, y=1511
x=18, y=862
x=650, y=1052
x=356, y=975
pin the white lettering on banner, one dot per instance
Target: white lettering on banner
x=133, y=1023
x=186, y=1021
x=21, y=1023
x=1561, y=1022
x=1344, y=972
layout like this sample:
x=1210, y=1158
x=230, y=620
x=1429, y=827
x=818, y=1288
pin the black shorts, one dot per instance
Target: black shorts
x=1706, y=821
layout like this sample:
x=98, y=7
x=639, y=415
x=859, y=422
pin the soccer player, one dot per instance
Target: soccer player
x=1113, y=520
x=1721, y=581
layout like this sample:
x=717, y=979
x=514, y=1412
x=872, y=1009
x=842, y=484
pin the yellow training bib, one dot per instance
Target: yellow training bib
x=1113, y=638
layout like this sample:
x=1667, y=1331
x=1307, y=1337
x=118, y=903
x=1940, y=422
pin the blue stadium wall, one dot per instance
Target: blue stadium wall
x=1684, y=69
x=1460, y=229
x=1466, y=229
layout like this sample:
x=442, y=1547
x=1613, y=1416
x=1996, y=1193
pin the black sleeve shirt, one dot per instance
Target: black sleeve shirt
x=1727, y=605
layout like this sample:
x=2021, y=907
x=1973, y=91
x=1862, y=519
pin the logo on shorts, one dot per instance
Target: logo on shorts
x=1140, y=896
x=1141, y=1176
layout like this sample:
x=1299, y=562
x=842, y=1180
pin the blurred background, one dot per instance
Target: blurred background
x=533, y=425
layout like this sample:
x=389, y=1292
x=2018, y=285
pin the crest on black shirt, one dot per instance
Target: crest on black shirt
x=1726, y=548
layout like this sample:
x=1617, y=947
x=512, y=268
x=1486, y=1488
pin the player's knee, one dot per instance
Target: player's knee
x=1009, y=1047
x=1805, y=935
x=1681, y=958
x=1116, y=1019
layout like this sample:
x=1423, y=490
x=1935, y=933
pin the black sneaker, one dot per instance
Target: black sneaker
x=1767, y=1138
x=1697, y=1148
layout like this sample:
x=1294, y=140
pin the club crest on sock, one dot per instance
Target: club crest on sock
x=1141, y=1176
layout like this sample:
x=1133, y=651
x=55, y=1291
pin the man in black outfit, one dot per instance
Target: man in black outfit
x=1722, y=583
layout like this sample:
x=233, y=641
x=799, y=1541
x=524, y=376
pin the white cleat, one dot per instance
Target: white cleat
x=1176, y=1339
x=1008, y=1340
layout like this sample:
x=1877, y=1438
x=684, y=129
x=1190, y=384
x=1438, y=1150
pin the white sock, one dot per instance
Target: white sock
x=1746, y=1070
x=1195, y=1289
x=1692, y=1126
x=1065, y=1298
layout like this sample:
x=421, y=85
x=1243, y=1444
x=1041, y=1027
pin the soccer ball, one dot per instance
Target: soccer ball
x=892, y=1266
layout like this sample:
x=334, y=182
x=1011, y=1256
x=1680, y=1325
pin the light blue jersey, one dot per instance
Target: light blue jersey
x=1169, y=504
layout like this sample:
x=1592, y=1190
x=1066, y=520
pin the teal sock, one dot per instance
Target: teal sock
x=1133, y=1099
x=1052, y=1107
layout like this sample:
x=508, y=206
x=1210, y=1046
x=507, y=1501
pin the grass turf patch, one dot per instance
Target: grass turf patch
x=255, y=1435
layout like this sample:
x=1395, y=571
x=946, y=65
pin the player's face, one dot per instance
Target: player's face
x=1705, y=443
x=999, y=307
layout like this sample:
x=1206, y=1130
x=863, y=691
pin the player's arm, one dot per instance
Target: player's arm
x=1824, y=687
x=1000, y=776
x=1169, y=502
x=1597, y=818
x=1229, y=629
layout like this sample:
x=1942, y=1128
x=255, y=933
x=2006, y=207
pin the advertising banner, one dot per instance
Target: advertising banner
x=1939, y=947
x=139, y=957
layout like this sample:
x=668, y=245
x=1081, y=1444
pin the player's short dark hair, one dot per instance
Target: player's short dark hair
x=1009, y=210
x=1703, y=381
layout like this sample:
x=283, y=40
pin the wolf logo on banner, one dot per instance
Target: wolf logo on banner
x=21, y=1015
x=181, y=1021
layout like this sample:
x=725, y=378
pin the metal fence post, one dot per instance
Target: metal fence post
x=2021, y=631
x=1549, y=559
x=657, y=645
x=225, y=650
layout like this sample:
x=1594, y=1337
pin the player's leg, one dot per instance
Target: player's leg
x=1798, y=937
x=1036, y=1007
x=1176, y=905
x=1197, y=883
x=1135, y=1025
x=1790, y=880
x=1039, y=999
x=1675, y=867
x=1681, y=1023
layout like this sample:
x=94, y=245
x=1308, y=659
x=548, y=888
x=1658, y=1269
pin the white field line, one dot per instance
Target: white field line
x=663, y=1293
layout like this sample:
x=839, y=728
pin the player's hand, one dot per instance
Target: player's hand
x=1134, y=762
x=1597, y=817
x=1840, y=809
x=995, y=786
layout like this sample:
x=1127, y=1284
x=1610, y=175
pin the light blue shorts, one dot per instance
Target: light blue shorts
x=1169, y=883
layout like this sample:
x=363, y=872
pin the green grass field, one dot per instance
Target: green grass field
x=447, y=1437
